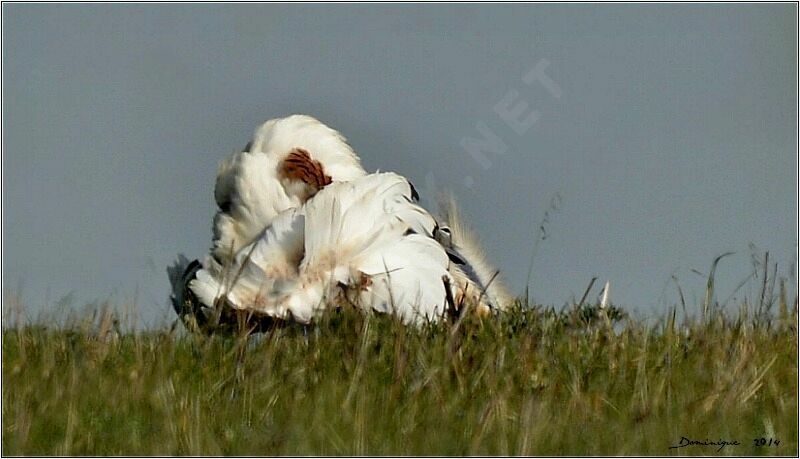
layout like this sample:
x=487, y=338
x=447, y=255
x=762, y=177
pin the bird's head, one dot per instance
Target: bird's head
x=282, y=137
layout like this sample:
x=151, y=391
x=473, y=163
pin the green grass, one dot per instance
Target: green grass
x=531, y=382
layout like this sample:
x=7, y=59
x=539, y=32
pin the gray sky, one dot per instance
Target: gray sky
x=673, y=139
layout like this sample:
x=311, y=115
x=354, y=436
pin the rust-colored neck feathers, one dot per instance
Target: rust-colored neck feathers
x=299, y=166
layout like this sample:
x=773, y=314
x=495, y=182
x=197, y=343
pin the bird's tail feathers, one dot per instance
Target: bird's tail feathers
x=464, y=248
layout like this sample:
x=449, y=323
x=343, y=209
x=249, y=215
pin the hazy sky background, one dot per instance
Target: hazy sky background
x=672, y=142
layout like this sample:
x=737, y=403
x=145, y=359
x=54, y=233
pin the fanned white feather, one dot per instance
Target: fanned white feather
x=260, y=273
x=358, y=244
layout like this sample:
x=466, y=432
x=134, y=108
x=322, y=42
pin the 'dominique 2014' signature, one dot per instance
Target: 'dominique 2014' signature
x=684, y=442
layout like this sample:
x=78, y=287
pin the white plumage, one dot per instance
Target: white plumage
x=301, y=226
x=362, y=242
x=367, y=243
x=250, y=189
x=258, y=276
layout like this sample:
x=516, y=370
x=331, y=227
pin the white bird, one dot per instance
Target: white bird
x=299, y=218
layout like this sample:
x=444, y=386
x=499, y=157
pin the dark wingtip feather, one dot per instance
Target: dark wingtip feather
x=414, y=194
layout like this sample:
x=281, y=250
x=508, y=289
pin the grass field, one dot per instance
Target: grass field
x=531, y=382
